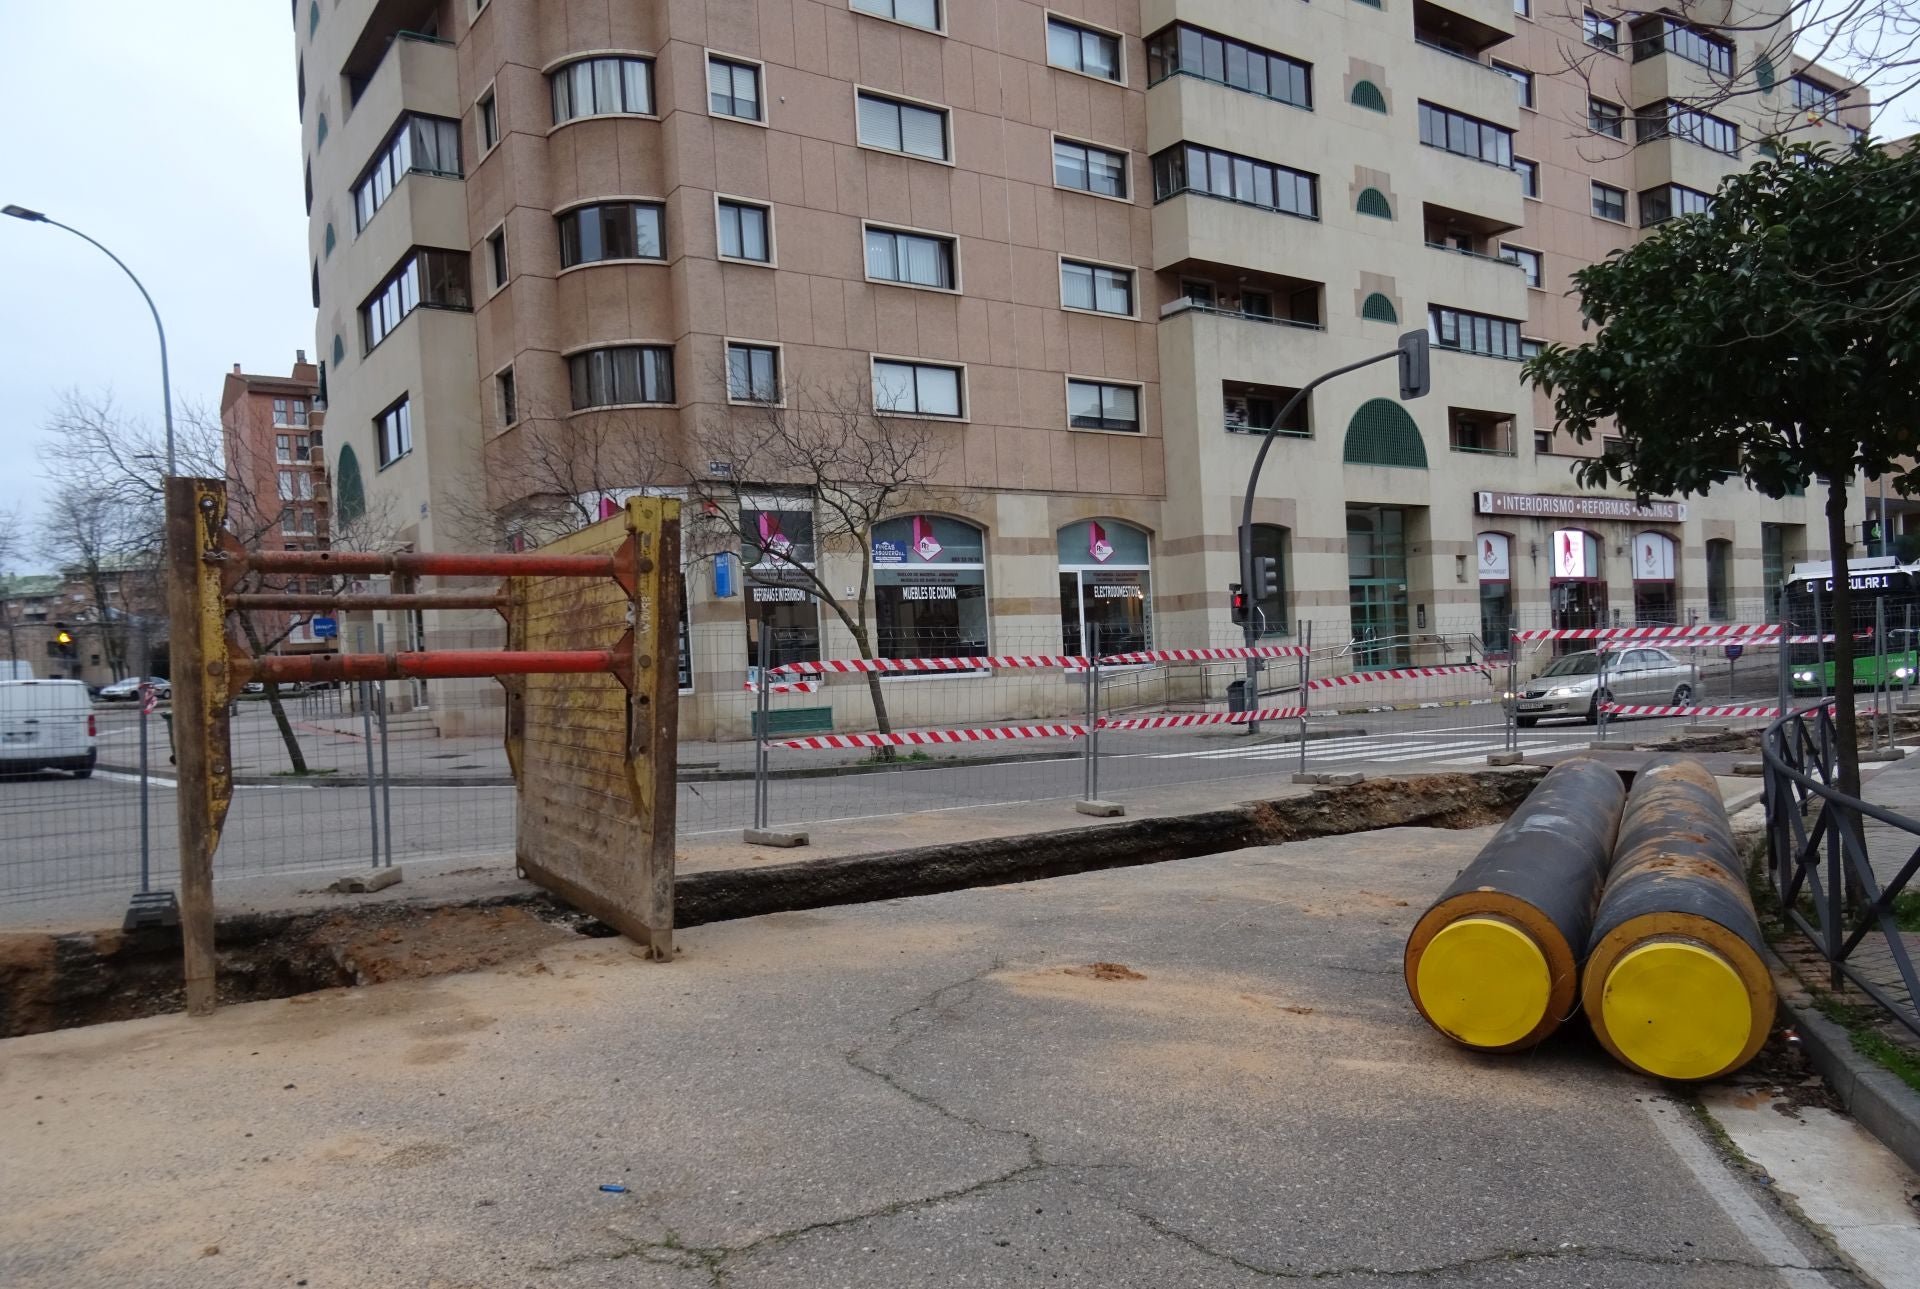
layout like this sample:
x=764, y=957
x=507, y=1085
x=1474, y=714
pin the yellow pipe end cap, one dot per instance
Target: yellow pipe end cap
x=1677, y=1011
x=1484, y=982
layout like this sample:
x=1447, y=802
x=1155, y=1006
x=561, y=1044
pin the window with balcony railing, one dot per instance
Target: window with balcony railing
x=1473, y=333
x=1657, y=205
x=1183, y=50
x=1485, y=433
x=1668, y=119
x=1658, y=34
x=1467, y=136
x=1188, y=167
x=418, y=145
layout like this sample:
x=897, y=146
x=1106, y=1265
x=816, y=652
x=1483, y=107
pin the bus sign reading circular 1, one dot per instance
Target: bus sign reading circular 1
x=1734, y=651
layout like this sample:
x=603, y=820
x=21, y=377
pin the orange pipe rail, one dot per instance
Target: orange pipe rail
x=437, y=664
x=347, y=602
x=531, y=564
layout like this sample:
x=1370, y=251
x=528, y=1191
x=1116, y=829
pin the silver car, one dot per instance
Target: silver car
x=1572, y=685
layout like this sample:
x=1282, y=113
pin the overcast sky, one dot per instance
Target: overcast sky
x=170, y=133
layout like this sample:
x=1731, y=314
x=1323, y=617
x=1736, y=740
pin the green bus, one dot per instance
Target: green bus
x=1873, y=582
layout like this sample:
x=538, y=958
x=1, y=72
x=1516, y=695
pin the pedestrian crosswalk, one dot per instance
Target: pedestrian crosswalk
x=1451, y=747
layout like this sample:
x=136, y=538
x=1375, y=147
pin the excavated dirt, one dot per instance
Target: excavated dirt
x=1105, y=971
x=59, y=981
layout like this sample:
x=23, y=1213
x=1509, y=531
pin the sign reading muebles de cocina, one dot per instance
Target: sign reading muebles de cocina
x=1553, y=506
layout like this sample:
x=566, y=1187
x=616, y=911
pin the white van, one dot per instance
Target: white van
x=46, y=725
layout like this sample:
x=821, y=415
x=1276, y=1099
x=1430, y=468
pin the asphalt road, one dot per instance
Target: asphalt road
x=933, y=1092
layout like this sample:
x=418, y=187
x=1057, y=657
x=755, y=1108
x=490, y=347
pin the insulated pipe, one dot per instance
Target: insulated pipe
x=1494, y=964
x=1676, y=983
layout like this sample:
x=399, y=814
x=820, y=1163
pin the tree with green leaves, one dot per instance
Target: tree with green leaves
x=1774, y=338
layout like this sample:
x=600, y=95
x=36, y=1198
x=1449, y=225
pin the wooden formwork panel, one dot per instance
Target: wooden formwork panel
x=594, y=755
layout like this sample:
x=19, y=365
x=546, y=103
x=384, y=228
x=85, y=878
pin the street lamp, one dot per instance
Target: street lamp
x=166, y=380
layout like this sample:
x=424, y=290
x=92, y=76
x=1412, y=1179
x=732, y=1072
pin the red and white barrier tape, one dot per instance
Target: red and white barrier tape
x=1203, y=718
x=1400, y=673
x=1623, y=709
x=1733, y=632
x=1204, y=655
x=837, y=666
x=920, y=738
x=788, y=687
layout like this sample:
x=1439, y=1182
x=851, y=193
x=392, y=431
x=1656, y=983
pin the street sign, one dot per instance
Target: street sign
x=1734, y=651
x=325, y=628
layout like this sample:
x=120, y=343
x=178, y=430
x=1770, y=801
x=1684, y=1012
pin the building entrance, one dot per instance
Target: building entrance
x=1377, y=586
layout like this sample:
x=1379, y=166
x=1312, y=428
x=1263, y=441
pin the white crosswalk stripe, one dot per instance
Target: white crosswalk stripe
x=1454, y=746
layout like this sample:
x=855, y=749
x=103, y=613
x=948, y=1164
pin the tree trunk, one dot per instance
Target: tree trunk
x=881, y=721
x=274, y=704
x=1845, y=720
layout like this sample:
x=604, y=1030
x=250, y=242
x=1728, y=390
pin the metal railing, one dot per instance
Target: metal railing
x=1821, y=867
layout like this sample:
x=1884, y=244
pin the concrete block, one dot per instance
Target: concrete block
x=772, y=837
x=374, y=879
x=1100, y=809
x=1703, y=729
x=1505, y=758
x=1307, y=776
x=1343, y=780
x=1601, y=745
x=1750, y=769
x=1882, y=754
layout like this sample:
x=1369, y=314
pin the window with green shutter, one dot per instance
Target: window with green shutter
x=1381, y=433
x=1366, y=94
x=1377, y=308
x=1374, y=202
x=349, y=494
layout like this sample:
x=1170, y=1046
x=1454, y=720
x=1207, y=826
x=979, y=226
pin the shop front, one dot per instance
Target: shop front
x=929, y=588
x=1577, y=595
x=1495, y=559
x=781, y=608
x=1106, y=587
x=1654, y=601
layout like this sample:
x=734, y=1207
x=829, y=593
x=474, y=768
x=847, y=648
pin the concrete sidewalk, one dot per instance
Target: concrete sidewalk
x=938, y=1091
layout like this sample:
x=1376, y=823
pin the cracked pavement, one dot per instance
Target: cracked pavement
x=918, y=1092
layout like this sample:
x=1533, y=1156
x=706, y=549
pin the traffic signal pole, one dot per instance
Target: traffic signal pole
x=1414, y=382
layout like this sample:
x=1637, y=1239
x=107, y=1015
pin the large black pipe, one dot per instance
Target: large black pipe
x=1676, y=983
x=1494, y=963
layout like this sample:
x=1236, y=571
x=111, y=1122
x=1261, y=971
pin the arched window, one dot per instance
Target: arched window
x=776, y=551
x=313, y=17
x=349, y=494
x=1654, y=604
x=1372, y=201
x=1377, y=308
x=1381, y=433
x=1106, y=588
x=929, y=588
x=1366, y=94
x=1719, y=581
x=339, y=350
x=1270, y=542
x=331, y=241
x=1493, y=555
x=1577, y=596
x=320, y=132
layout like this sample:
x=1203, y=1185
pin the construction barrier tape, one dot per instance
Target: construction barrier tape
x=1204, y=655
x=1735, y=631
x=1401, y=673
x=788, y=687
x=1621, y=709
x=917, y=738
x=1203, y=718
x=834, y=666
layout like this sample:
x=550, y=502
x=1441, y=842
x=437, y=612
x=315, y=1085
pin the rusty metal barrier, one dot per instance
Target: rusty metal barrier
x=592, y=754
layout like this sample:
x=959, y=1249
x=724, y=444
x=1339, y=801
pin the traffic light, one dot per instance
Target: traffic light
x=1415, y=379
x=1266, y=578
x=1870, y=532
x=1238, y=598
x=64, y=638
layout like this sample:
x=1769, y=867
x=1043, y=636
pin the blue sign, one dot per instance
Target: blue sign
x=325, y=628
x=723, y=576
x=1734, y=651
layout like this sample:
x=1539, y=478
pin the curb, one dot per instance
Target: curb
x=1875, y=1096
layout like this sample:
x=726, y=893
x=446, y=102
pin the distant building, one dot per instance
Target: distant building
x=277, y=493
x=66, y=630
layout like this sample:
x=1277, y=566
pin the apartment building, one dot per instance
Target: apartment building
x=278, y=499
x=1093, y=247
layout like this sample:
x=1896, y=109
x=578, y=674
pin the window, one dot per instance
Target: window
x=733, y=88
x=1181, y=50
x=619, y=230
x=497, y=256
x=282, y=445
x=1523, y=8
x=1106, y=591
x=1657, y=205
x=1096, y=287
x=915, y=13
x=286, y=485
x=1656, y=34
x=1601, y=33
x=1366, y=94
x=1529, y=262
x=602, y=87
x=503, y=388
x=902, y=127
x=1248, y=408
x=1098, y=405
x=419, y=144
x=929, y=588
x=1719, y=579
x=1610, y=203
x=302, y=448
x=1773, y=566
x=289, y=411
x=487, y=114
x=1372, y=201
x=1810, y=95
x=1378, y=308
x=1529, y=172
x=783, y=616
x=1667, y=119
x=915, y=389
x=621, y=375
x=1474, y=333
x=1082, y=49
x=1522, y=82
x=437, y=279
x=1089, y=168
x=304, y=480
x=1606, y=118
x=1188, y=167
x=393, y=433
x=753, y=373
x=745, y=232
x=1543, y=442
x=1529, y=348
x=912, y=259
x=1468, y=136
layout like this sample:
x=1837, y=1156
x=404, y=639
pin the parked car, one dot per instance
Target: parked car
x=1572, y=685
x=46, y=725
x=128, y=690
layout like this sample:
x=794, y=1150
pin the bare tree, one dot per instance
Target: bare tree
x=109, y=550
x=13, y=541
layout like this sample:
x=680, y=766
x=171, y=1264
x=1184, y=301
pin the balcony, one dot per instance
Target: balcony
x=1252, y=408
x=1480, y=432
x=1229, y=291
x=388, y=23
x=1466, y=31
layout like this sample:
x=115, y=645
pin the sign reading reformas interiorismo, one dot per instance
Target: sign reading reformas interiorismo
x=1552, y=506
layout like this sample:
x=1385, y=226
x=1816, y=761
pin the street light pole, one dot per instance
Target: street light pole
x=166, y=378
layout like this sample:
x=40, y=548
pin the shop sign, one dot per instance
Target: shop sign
x=1570, y=554
x=1652, y=558
x=780, y=595
x=1495, y=557
x=1554, y=506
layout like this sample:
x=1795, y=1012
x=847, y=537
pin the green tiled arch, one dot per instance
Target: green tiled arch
x=1381, y=433
x=1377, y=308
x=331, y=241
x=1366, y=94
x=349, y=493
x=320, y=131
x=1373, y=202
x=1764, y=74
x=339, y=350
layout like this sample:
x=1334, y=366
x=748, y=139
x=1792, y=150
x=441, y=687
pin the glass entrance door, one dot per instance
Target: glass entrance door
x=1575, y=606
x=1377, y=586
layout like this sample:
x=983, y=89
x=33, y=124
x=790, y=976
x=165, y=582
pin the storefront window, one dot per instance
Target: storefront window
x=929, y=588
x=777, y=552
x=1577, y=597
x=1654, y=602
x=1106, y=588
x=1495, y=559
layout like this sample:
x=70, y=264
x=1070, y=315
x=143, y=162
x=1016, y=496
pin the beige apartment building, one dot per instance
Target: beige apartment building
x=1087, y=248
